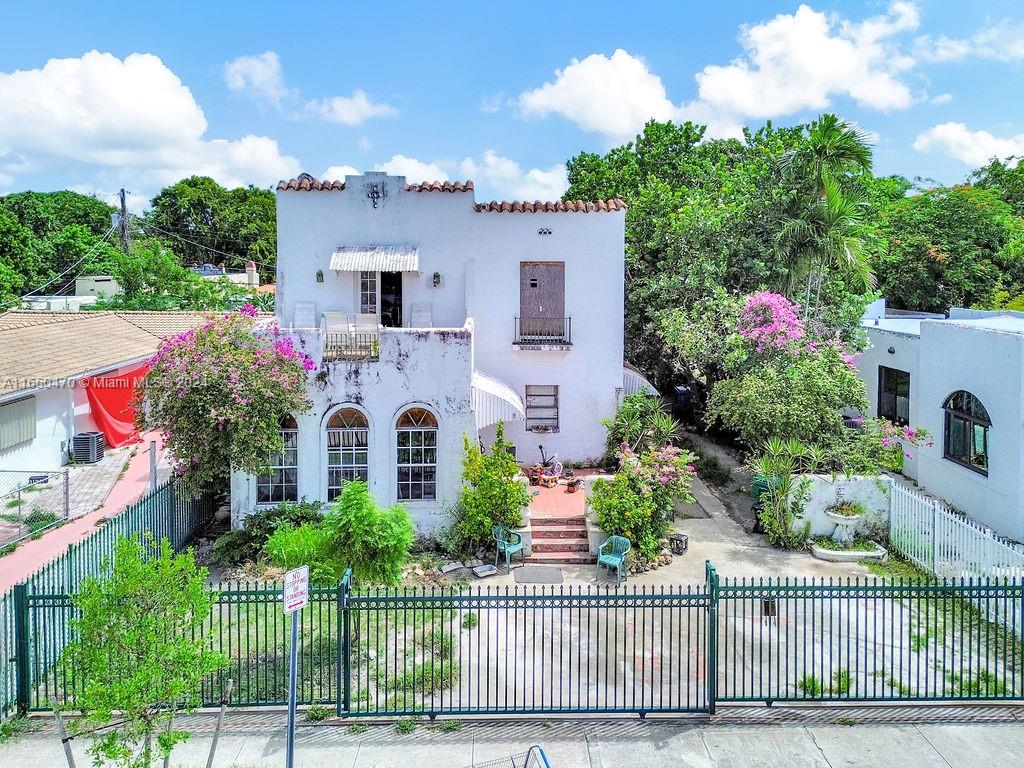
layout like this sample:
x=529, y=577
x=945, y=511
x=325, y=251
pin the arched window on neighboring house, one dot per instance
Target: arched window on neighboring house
x=966, y=433
x=417, y=455
x=281, y=484
x=348, y=449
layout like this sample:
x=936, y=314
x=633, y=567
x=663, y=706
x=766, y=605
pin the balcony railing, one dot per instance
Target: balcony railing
x=351, y=347
x=541, y=331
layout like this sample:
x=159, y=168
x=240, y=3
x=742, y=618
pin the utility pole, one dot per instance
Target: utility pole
x=126, y=240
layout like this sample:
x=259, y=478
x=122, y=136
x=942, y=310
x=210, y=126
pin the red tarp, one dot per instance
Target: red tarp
x=110, y=399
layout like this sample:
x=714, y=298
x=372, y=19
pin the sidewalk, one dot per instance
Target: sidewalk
x=993, y=738
x=33, y=554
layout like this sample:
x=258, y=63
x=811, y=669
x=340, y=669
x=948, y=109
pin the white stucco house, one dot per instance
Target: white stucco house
x=962, y=379
x=432, y=317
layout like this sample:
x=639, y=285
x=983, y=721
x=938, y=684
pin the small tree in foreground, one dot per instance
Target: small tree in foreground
x=140, y=651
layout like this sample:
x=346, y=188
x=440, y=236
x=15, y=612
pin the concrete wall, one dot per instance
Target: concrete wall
x=53, y=428
x=828, y=490
x=478, y=256
x=427, y=368
x=989, y=365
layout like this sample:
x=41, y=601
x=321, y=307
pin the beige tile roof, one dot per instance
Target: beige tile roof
x=39, y=348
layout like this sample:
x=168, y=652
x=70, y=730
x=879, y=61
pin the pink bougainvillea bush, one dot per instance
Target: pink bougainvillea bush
x=771, y=321
x=218, y=394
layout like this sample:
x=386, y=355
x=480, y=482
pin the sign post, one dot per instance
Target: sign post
x=295, y=597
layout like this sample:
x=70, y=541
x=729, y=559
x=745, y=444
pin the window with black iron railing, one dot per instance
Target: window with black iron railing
x=543, y=330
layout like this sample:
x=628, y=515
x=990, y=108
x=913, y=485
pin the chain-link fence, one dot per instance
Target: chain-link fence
x=32, y=502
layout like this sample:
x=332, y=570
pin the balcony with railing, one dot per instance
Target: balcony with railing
x=543, y=333
x=351, y=347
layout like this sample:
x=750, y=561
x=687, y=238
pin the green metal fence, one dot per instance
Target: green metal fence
x=34, y=616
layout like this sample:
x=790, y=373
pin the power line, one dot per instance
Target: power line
x=83, y=258
x=146, y=225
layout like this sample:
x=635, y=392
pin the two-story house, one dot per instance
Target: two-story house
x=432, y=317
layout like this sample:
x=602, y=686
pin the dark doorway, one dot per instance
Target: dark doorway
x=391, y=299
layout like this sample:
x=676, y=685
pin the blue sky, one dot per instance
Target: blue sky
x=104, y=95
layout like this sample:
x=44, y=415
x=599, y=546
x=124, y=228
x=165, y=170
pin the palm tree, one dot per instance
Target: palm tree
x=823, y=235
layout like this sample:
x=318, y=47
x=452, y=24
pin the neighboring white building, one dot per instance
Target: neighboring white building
x=48, y=362
x=962, y=379
x=433, y=317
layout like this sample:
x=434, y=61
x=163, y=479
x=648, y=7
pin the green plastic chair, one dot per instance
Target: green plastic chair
x=509, y=542
x=612, y=554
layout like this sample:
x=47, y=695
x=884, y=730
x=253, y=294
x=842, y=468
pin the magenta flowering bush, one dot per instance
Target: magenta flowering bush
x=638, y=502
x=771, y=321
x=218, y=394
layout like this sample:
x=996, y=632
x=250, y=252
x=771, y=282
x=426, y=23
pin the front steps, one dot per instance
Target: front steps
x=559, y=538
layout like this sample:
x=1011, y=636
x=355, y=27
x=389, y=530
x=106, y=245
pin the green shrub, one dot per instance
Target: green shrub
x=355, y=533
x=405, y=725
x=640, y=423
x=38, y=519
x=492, y=494
x=624, y=508
x=811, y=686
x=306, y=545
x=800, y=396
x=316, y=713
x=373, y=541
x=841, y=682
x=246, y=544
x=470, y=621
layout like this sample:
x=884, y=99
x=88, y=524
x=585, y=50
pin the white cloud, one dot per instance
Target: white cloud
x=505, y=177
x=1002, y=42
x=364, y=144
x=801, y=60
x=339, y=172
x=414, y=170
x=350, y=110
x=790, y=63
x=612, y=95
x=133, y=119
x=941, y=98
x=973, y=148
x=258, y=76
x=492, y=104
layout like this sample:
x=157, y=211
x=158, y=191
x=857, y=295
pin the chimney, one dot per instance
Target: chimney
x=252, y=277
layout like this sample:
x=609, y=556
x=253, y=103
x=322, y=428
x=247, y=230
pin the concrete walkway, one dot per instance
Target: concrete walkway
x=32, y=555
x=989, y=742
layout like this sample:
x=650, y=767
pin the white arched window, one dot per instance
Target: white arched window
x=967, y=425
x=348, y=447
x=281, y=483
x=417, y=455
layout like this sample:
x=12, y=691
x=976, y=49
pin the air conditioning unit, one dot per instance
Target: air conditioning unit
x=88, y=447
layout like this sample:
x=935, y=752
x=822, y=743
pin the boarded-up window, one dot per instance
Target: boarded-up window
x=17, y=422
x=542, y=407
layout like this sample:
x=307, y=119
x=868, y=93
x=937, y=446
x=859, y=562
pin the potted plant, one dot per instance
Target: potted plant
x=846, y=515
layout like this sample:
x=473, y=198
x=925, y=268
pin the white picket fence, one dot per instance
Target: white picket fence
x=929, y=534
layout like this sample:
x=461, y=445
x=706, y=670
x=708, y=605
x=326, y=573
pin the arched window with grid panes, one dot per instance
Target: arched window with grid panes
x=417, y=455
x=348, y=449
x=281, y=482
x=966, y=434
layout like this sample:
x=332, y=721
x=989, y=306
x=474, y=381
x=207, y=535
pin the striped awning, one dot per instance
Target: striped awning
x=494, y=401
x=633, y=381
x=376, y=258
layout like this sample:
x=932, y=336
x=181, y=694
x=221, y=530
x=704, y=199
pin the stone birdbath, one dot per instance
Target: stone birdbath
x=846, y=516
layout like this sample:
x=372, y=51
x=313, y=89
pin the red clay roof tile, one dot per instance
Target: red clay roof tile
x=557, y=206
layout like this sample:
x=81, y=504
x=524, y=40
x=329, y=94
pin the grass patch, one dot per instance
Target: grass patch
x=811, y=686
x=425, y=678
x=713, y=471
x=7, y=549
x=470, y=621
x=318, y=713
x=11, y=728
x=896, y=568
x=445, y=726
x=857, y=545
x=38, y=519
x=14, y=503
x=845, y=720
x=438, y=643
x=841, y=682
x=356, y=728
x=981, y=684
x=405, y=725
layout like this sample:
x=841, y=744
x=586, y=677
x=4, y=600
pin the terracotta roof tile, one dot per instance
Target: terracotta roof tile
x=306, y=183
x=440, y=186
x=557, y=206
